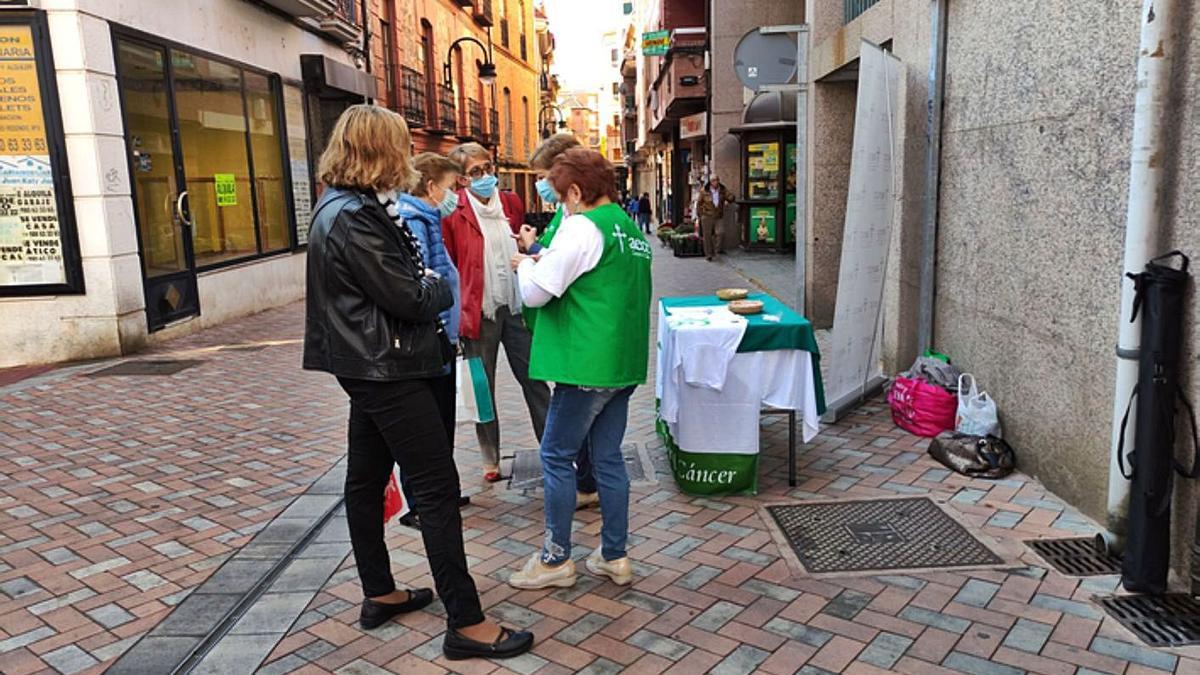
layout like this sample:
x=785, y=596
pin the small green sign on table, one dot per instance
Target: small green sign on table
x=656, y=43
x=226, y=189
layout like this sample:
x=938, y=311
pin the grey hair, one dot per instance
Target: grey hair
x=461, y=153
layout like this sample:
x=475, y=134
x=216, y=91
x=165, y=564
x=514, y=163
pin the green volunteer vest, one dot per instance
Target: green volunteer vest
x=530, y=313
x=596, y=334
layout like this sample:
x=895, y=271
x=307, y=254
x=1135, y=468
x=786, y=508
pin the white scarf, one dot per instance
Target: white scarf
x=499, y=289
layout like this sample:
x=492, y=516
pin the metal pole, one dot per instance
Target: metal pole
x=1143, y=220
x=933, y=173
x=802, y=172
x=801, y=89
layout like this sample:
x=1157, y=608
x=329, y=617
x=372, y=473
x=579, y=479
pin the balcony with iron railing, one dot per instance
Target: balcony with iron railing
x=854, y=8
x=343, y=23
x=483, y=12
x=493, y=134
x=412, y=102
x=442, y=115
x=304, y=8
x=474, y=120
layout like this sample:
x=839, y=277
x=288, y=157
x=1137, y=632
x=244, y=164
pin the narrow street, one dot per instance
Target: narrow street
x=122, y=496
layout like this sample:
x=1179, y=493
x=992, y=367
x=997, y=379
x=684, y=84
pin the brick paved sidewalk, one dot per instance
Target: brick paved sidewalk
x=120, y=495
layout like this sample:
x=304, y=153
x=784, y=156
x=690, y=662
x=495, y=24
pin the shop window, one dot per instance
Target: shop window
x=39, y=252
x=267, y=161
x=212, y=133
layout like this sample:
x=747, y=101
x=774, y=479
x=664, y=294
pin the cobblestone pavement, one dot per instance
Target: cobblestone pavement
x=120, y=495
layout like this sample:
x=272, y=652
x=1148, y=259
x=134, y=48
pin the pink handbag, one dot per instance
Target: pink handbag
x=921, y=408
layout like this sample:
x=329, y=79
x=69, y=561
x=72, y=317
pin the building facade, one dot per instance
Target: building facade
x=159, y=175
x=428, y=72
x=1030, y=213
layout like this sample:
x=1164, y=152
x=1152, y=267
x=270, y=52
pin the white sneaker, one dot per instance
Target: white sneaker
x=585, y=499
x=620, y=571
x=537, y=575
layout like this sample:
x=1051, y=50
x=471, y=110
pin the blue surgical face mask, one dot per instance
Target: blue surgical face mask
x=546, y=191
x=448, y=203
x=485, y=185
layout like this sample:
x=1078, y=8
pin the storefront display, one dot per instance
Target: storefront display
x=762, y=171
x=37, y=240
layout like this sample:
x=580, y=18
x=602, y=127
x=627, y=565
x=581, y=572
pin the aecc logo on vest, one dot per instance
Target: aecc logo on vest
x=638, y=247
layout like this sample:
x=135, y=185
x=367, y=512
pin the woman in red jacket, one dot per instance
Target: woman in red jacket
x=479, y=237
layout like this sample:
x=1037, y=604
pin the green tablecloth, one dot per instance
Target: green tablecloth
x=792, y=331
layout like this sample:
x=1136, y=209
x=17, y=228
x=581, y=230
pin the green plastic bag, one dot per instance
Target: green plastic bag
x=933, y=354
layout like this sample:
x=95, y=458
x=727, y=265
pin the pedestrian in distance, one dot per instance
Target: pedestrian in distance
x=592, y=286
x=644, y=214
x=434, y=195
x=711, y=209
x=542, y=161
x=479, y=237
x=372, y=320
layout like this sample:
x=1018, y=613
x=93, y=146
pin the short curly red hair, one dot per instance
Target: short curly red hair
x=586, y=169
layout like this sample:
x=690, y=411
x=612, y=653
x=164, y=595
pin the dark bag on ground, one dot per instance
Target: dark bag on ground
x=1161, y=290
x=974, y=456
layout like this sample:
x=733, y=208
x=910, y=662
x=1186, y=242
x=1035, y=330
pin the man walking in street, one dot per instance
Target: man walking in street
x=644, y=212
x=479, y=237
x=711, y=208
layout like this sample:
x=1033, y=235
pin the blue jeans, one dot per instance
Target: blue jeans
x=597, y=417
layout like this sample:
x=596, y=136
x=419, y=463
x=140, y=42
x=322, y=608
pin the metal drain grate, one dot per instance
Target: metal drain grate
x=1076, y=557
x=243, y=348
x=1171, y=620
x=882, y=534
x=527, y=467
x=145, y=367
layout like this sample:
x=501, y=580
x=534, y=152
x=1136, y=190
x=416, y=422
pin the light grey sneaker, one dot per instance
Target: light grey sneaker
x=537, y=575
x=620, y=571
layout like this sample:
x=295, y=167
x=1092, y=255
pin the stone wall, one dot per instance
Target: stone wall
x=1038, y=122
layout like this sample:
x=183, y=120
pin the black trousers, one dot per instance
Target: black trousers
x=444, y=393
x=401, y=422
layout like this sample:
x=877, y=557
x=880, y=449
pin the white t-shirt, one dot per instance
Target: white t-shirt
x=575, y=251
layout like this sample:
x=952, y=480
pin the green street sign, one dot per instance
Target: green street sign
x=656, y=43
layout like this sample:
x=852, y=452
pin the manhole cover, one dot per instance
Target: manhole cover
x=1171, y=620
x=868, y=535
x=1076, y=557
x=527, y=467
x=145, y=367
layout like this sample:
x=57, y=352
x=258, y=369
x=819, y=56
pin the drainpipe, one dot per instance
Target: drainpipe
x=933, y=172
x=1143, y=221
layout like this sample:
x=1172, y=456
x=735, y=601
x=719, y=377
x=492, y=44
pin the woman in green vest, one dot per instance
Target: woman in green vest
x=542, y=161
x=592, y=288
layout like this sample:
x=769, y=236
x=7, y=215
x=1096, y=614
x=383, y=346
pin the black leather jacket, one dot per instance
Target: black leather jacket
x=370, y=314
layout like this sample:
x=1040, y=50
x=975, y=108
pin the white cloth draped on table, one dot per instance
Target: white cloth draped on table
x=712, y=397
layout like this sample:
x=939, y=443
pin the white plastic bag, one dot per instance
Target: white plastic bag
x=977, y=414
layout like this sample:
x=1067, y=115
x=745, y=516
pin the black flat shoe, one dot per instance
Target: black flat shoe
x=375, y=614
x=464, y=502
x=510, y=643
x=410, y=519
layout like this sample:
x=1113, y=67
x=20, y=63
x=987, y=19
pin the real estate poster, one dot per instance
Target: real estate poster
x=31, y=250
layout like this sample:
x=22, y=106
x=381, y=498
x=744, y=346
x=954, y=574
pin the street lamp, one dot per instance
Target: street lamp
x=487, y=69
x=548, y=124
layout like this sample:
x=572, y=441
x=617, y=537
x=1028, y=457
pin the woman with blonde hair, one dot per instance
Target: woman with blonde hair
x=372, y=320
